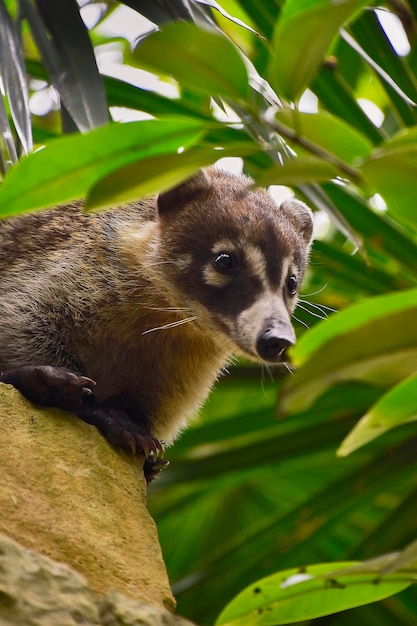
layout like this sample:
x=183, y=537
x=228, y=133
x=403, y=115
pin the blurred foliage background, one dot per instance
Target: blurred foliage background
x=317, y=98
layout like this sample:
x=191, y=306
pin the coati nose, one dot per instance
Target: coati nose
x=271, y=345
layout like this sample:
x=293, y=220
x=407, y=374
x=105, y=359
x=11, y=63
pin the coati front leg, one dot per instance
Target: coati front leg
x=62, y=388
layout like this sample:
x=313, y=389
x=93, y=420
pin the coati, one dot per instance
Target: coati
x=127, y=317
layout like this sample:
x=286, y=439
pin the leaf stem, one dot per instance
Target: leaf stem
x=351, y=172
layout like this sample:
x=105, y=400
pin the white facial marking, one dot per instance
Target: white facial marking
x=183, y=262
x=223, y=245
x=256, y=261
x=286, y=264
x=214, y=278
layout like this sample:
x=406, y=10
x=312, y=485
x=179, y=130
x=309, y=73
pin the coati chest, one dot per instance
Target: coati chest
x=149, y=301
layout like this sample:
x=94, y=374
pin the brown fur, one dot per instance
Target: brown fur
x=80, y=290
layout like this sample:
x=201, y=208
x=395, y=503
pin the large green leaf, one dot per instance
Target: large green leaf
x=392, y=171
x=215, y=5
x=122, y=94
x=328, y=132
x=374, y=340
x=15, y=82
x=337, y=95
x=349, y=270
x=379, y=231
x=203, y=60
x=298, y=171
x=262, y=14
x=147, y=176
x=167, y=10
x=396, y=407
x=299, y=594
x=67, y=167
x=67, y=53
x=302, y=37
x=393, y=71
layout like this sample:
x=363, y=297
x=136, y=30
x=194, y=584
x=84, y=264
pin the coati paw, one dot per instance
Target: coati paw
x=153, y=466
x=50, y=386
x=129, y=437
x=121, y=431
x=137, y=443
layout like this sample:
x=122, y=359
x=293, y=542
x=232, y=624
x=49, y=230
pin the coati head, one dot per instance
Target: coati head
x=237, y=259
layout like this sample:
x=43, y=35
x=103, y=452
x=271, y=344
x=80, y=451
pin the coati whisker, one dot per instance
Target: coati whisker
x=314, y=293
x=304, y=308
x=166, y=309
x=170, y=324
x=266, y=368
x=290, y=367
x=322, y=307
x=297, y=319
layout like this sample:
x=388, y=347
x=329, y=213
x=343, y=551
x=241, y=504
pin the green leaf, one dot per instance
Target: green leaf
x=67, y=167
x=165, y=11
x=147, y=176
x=302, y=37
x=337, y=96
x=298, y=171
x=203, y=60
x=301, y=594
x=122, y=94
x=396, y=407
x=373, y=45
x=302, y=501
x=405, y=559
x=391, y=170
x=367, y=311
x=72, y=66
x=262, y=14
x=321, y=200
x=15, y=82
x=328, y=132
x=371, y=35
x=211, y=457
x=379, y=229
x=161, y=172
x=374, y=340
x=215, y=5
x=402, y=102
x=351, y=270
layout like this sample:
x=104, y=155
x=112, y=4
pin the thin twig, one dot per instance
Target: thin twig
x=351, y=172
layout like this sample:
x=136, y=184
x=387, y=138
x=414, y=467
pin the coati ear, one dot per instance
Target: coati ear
x=300, y=216
x=178, y=197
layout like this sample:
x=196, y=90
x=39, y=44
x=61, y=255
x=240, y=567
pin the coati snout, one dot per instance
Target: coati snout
x=272, y=343
x=150, y=301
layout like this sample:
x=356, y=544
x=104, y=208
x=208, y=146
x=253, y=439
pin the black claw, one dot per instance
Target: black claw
x=152, y=468
x=130, y=441
x=84, y=380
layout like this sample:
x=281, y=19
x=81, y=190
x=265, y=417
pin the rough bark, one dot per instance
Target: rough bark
x=67, y=494
x=37, y=591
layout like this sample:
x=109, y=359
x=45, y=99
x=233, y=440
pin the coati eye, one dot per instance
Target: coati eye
x=292, y=284
x=224, y=262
